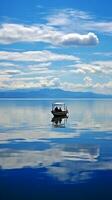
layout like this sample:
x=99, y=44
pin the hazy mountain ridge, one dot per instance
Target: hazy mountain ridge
x=49, y=93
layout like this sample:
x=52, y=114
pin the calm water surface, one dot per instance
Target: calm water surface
x=45, y=158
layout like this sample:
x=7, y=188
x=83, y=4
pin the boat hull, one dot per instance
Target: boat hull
x=59, y=113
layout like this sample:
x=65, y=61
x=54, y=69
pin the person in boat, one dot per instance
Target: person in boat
x=56, y=109
x=60, y=110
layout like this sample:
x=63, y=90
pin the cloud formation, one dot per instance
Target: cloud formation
x=43, y=74
x=78, y=21
x=101, y=67
x=88, y=85
x=60, y=28
x=80, y=40
x=36, y=56
x=63, y=17
x=12, y=33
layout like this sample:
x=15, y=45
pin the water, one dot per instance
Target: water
x=42, y=158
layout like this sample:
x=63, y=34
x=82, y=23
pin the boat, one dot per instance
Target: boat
x=59, y=109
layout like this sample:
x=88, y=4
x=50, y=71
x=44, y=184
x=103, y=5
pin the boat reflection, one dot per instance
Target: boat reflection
x=59, y=122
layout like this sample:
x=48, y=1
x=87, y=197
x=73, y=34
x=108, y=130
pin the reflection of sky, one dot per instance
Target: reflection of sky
x=28, y=139
x=66, y=162
x=91, y=114
x=18, y=155
x=33, y=115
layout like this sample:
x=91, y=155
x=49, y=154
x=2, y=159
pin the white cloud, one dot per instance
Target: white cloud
x=62, y=17
x=4, y=81
x=7, y=64
x=28, y=81
x=78, y=21
x=10, y=72
x=88, y=80
x=100, y=26
x=62, y=25
x=76, y=87
x=11, y=33
x=38, y=56
x=104, y=53
x=36, y=75
x=104, y=88
x=94, y=67
x=78, y=39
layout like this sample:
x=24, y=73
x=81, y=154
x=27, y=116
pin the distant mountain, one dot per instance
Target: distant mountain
x=49, y=93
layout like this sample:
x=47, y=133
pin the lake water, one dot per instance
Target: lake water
x=45, y=158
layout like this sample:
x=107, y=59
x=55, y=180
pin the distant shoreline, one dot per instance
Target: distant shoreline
x=65, y=98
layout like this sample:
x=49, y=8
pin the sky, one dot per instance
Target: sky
x=64, y=44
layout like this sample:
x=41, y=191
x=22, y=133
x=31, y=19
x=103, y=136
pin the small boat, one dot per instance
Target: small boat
x=59, y=109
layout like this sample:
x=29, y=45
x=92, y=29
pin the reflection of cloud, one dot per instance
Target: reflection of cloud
x=91, y=114
x=65, y=162
x=64, y=173
x=20, y=159
x=24, y=120
x=30, y=120
x=13, y=156
x=28, y=139
x=81, y=168
x=80, y=152
x=78, y=171
x=34, y=135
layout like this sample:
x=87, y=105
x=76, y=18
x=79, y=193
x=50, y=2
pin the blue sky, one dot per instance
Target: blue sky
x=56, y=44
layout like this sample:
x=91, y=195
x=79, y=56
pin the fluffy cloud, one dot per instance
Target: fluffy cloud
x=78, y=21
x=11, y=33
x=95, y=67
x=9, y=72
x=9, y=81
x=66, y=16
x=100, y=26
x=104, y=88
x=38, y=56
x=36, y=75
x=77, y=39
x=88, y=80
x=7, y=64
